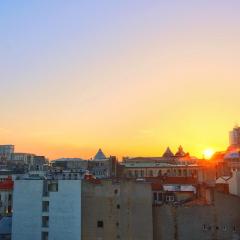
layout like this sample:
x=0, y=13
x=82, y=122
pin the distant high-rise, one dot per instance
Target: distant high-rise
x=234, y=137
x=6, y=151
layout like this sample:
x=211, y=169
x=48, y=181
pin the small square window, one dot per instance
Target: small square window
x=100, y=224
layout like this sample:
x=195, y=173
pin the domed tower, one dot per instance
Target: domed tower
x=100, y=155
x=168, y=153
x=180, y=152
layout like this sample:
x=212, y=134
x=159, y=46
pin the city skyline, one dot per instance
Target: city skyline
x=130, y=77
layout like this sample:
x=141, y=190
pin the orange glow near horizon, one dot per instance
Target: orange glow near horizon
x=130, y=77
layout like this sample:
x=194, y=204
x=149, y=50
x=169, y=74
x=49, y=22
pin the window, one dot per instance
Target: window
x=151, y=173
x=155, y=196
x=118, y=206
x=44, y=235
x=160, y=173
x=100, y=224
x=45, y=221
x=160, y=198
x=53, y=187
x=45, y=206
x=204, y=227
x=116, y=191
x=9, y=209
x=170, y=198
x=10, y=197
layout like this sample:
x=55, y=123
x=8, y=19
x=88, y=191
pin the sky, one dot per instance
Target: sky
x=131, y=77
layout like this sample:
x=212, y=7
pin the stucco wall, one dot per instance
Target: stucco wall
x=183, y=223
x=125, y=210
x=65, y=211
x=27, y=210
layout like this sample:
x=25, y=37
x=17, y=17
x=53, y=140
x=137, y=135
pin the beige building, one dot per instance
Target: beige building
x=113, y=210
x=218, y=220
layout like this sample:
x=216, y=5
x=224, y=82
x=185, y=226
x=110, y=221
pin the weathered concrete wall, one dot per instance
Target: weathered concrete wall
x=136, y=211
x=183, y=223
x=27, y=210
x=65, y=211
x=125, y=210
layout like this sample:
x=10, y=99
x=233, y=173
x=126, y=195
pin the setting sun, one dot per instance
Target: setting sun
x=208, y=153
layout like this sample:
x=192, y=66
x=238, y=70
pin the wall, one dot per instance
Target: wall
x=65, y=211
x=234, y=183
x=124, y=208
x=183, y=223
x=27, y=208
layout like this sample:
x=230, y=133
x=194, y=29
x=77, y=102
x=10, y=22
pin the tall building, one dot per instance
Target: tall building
x=6, y=151
x=113, y=210
x=81, y=210
x=47, y=210
x=234, y=137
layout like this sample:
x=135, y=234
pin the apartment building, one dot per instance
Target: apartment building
x=81, y=209
x=47, y=209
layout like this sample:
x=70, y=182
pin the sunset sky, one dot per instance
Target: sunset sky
x=129, y=76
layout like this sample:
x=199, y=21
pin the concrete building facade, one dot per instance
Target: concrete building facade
x=81, y=209
x=117, y=210
x=219, y=220
x=47, y=210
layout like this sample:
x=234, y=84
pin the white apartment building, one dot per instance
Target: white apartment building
x=53, y=210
